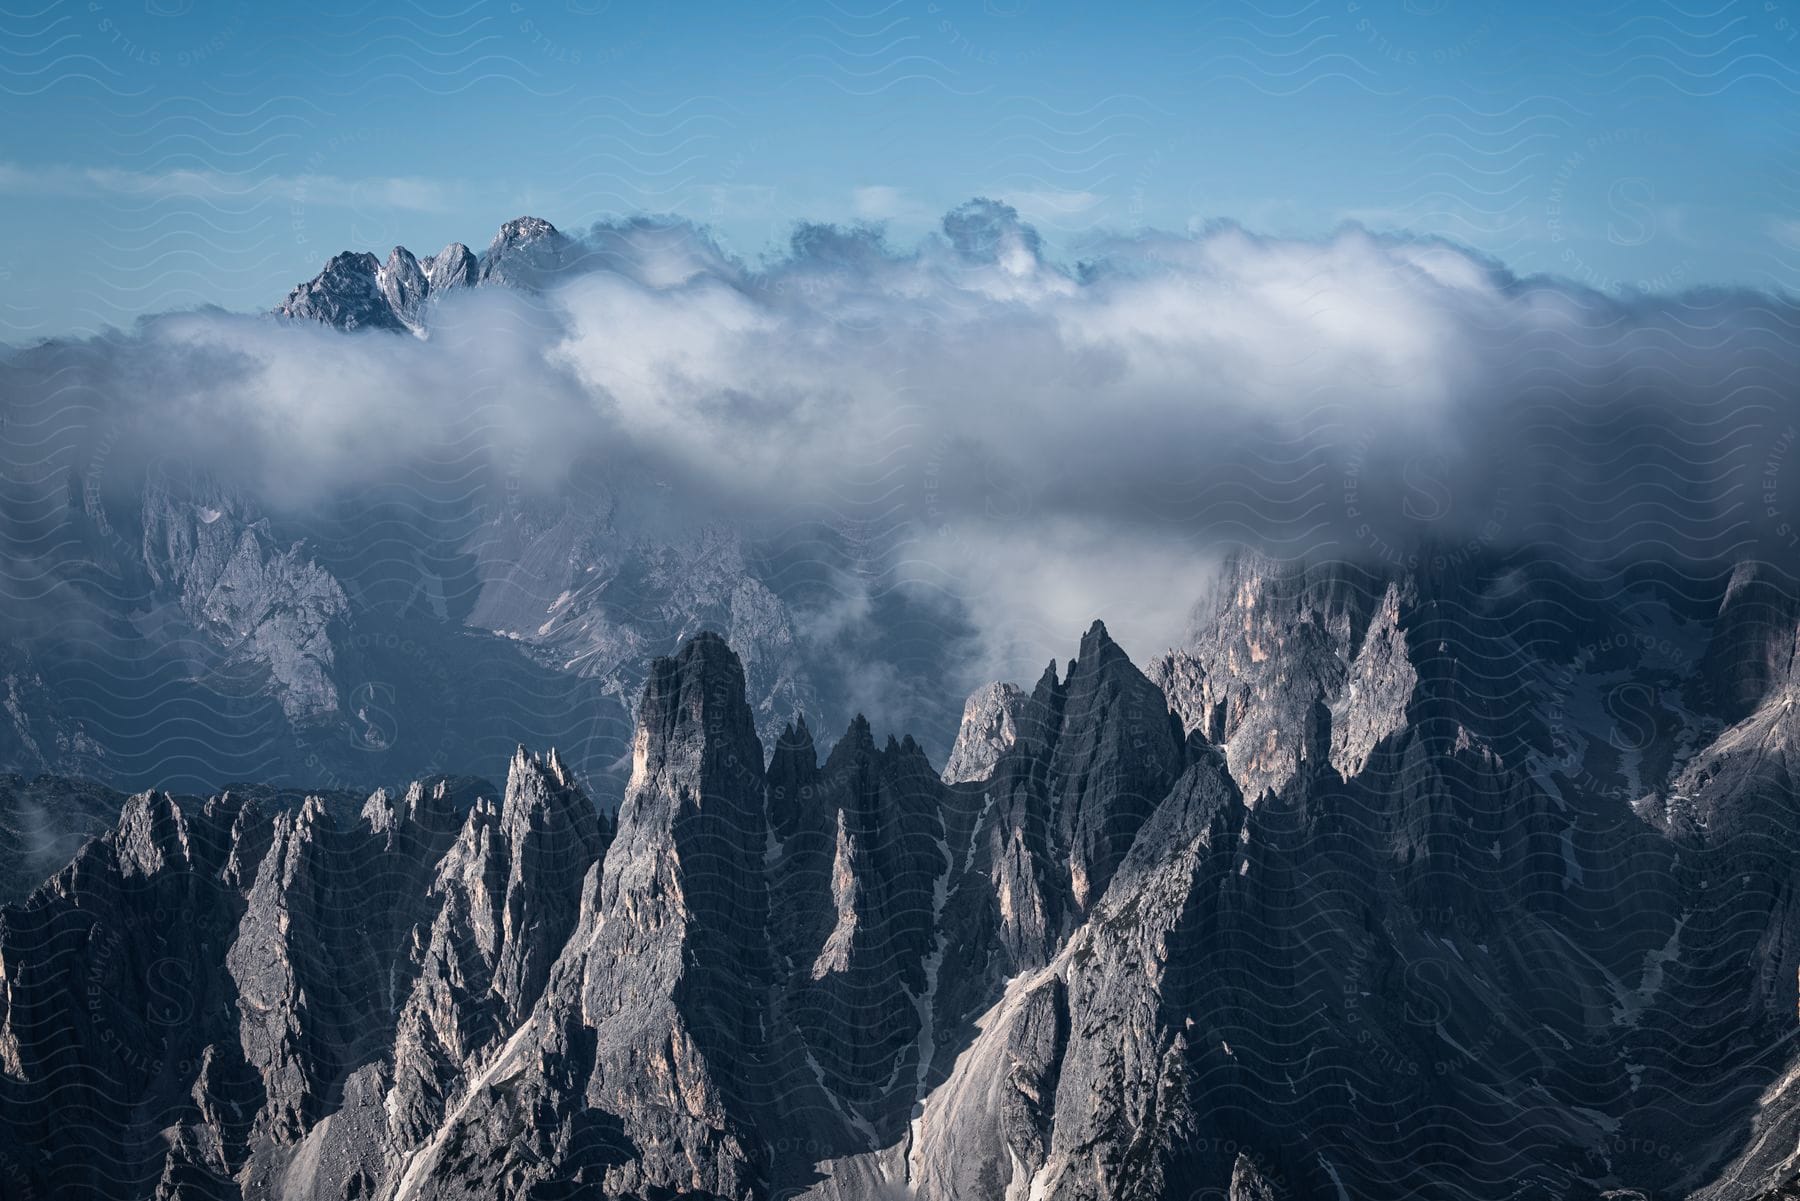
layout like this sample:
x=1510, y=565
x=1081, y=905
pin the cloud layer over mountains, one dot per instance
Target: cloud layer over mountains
x=1022, y=443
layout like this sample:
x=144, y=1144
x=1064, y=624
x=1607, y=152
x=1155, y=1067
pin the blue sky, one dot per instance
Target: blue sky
x=162, y=154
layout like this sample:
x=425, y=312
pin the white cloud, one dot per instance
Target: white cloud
x=879, y=202
x=1038, y=584
x=1023, y=446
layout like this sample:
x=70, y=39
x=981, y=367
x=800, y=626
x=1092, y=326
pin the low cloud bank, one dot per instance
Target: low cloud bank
x=1020, y=443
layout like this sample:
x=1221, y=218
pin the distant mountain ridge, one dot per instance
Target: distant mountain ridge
x=356, y=290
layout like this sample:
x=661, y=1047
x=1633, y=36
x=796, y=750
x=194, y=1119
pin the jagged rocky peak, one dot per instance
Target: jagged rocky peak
x=640, y=1069
x=1091, y=972
x=1001, y=717
x=537, y=773
x=356, y=290
x=508, y=892
x=693, y=708
x=347, y=294
x=793, y=765
x=990, y=727
x=152, y=834
x=521, y=231
x=1117, y=755
x=544, y=801
x=1077, y=1080
x=426, y=805
x=863, y=912
x=454, y=266
x=528, y=252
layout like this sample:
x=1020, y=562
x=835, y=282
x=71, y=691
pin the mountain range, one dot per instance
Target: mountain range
x=1458, y=868
x=1461, y=880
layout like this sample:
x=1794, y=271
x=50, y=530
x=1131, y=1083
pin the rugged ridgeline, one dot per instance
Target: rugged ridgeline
x=1392, y=884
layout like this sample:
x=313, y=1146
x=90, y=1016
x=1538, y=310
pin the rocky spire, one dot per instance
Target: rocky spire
x=666, y=975
x=403, y=284
x=874, y=901
x=455, y=266
x=1115, y=759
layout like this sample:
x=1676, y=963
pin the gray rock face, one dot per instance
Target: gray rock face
x=1078, y=1073
x=269, y=606
x=633, y=1072
x=403, y=284
x=1377, y=690
x=1276, y=642
x=1426, y=961
x=1751, y=643
x=862, y=961
x=672, y=971
x=509, y=888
